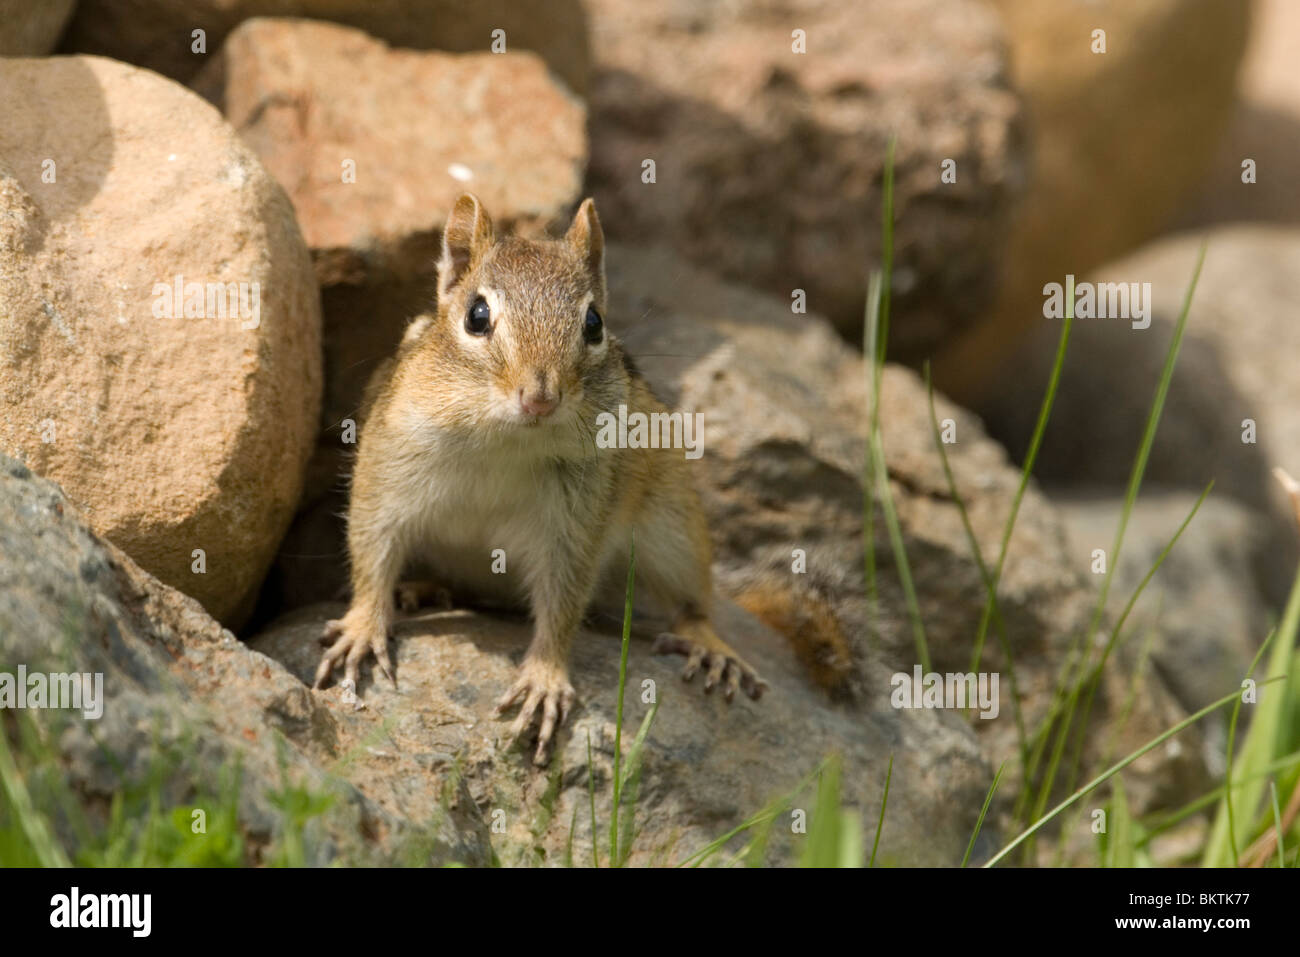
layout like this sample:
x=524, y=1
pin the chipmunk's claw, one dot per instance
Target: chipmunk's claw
x=722, y=666
x=351, y=645
x=541, y=686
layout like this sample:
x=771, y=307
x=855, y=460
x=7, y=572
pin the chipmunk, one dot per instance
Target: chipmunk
x=479, y=434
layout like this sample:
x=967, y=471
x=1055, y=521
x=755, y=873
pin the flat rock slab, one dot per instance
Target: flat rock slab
x=706, y=765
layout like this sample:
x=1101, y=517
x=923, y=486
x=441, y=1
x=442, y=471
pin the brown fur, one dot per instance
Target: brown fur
x=451, y=464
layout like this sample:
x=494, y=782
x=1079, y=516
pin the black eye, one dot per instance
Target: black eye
x=593, y=329
x=478, y=321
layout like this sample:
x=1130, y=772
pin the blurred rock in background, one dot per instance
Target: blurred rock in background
x=158, y=33
x=1232, y=413
x=32, y=27
x=1119, y=141
x=1264, y=127
x=768, y=162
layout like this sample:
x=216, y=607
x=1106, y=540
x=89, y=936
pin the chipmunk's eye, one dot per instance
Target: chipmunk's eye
x=478, y=321
x=593, y=329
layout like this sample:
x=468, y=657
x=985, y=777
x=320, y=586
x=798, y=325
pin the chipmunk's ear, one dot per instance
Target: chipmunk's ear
x=467, y=235
x=587, y=238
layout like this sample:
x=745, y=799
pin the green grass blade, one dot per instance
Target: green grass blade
x=768, y=813
x=1026, y=469
x=1167, y=819
x=988, y=799
x=591, y=797
x=880, y=822
x=631, y=789
x=31, y=822
x=1277, y=823
x=618, y=720
x=900, y=553
x=1262, y=742
x=821, y=849
x=985, y=576
x=1232, y=740
x=1119, y=834
x=875, y=335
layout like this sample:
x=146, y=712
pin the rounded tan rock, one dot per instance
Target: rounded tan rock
x=180, y=424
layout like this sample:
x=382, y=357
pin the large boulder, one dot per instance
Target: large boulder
x=371, y=186
x=32, y=27
x=769, y=160
x=158, y=34
x=1119, y=140
x=184, y=710
x=180, y=423
x=373, y=145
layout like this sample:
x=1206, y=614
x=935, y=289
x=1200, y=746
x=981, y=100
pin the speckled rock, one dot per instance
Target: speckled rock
x=183, y=699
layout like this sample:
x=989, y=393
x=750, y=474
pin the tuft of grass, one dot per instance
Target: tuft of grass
x=43, y=823
x=1263, y=742
x=1110, y=772
x=1070, y=689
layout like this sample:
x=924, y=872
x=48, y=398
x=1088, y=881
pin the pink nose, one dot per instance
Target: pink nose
x=537, y=404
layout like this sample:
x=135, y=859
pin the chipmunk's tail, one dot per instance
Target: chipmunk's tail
x=807, y=620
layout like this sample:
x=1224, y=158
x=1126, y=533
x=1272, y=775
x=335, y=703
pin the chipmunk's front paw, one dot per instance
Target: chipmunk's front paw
x=721, y=663
x=540, y=685
x=350, y=639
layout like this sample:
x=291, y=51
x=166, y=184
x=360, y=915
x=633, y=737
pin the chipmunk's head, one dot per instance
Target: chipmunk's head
x=523, y=322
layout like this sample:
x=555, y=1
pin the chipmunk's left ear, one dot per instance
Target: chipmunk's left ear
x=587, y=238
x=466, y=236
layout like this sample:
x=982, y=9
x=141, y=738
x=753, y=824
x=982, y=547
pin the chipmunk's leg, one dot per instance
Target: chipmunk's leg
x=560, y=584
x=377, y=556
x=672, y=563
x=413, y=594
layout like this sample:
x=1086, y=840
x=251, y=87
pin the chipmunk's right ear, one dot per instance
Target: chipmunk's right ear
x=465, y=238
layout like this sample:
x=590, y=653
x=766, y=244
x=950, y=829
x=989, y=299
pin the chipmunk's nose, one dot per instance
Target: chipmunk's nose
x=537, y=403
